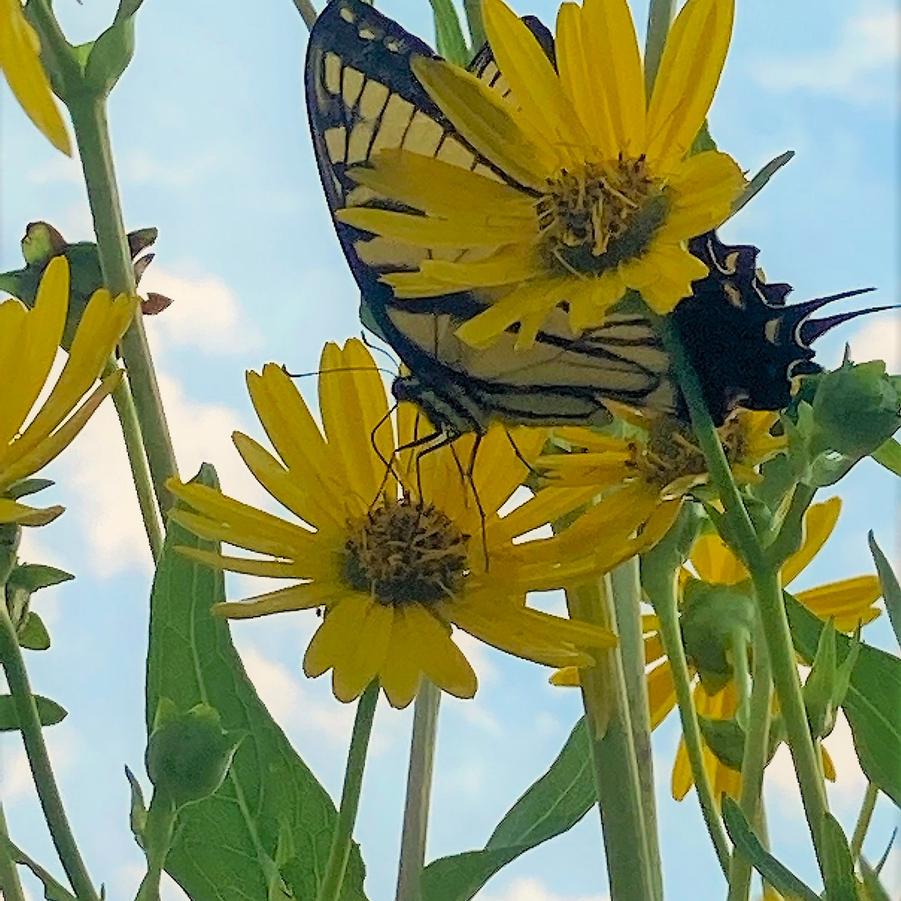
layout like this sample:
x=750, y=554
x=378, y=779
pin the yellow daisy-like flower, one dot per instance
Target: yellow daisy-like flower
x=395, y=558
x=29, y=340
x=598, y=195
x=848, y=602
x=21, y=64
x=646, y=477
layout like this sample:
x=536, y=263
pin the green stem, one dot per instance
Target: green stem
x=419, y=791
x=767, y=588
x=39, y=760
x=158, y=833
x=52, y=887
x=629, y=864
x=140, y=472
x=665, y=601
x=660, y=16
x=757, y=740
x=307, y=12
x=791, y=531
x=89, y=122
x=10, y=885
x=863, y=820
x=330, y=888
x=741, y=675
x=625, y=583
x=475, y=23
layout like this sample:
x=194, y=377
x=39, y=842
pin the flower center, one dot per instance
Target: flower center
x=594, y=218
x=404, y=552
x=670, y=452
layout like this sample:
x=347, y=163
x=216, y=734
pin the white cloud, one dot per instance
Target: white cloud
x=141, y=169
x=96, y=467
x=128, y=878
x=879, y=339
x=206, y=314
x=529, y=889
x=15, y=776
x=55, y=170
x=869, y=43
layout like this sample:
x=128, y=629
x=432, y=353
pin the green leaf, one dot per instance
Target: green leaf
x=53, y=890
x=34, y=576
x=703, y=141
x=889, y=455
x=760, y=180
x=226, y=845
x=137, y=814
x=551, y=806
x=110, y=56
x=774, y=872
x=49, y=712
x=475, y=23
x=33, y=634
x=448, y=34
x=27, y=487
x=891, y=590
x=841, y=884
x=872, y=704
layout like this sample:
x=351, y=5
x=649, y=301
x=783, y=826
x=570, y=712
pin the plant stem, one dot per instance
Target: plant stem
x=790, y=533
x=330, y=888
x=475, y=23
x=757, y=740
x=39, y=760
x=629, y=864
x=419, y=791
x=625, y=582
x=863, y=820
x=157, y=841
x=52, y=888
x=140, y=472
x=767, y=588
x=660, y=16
x=665, y=601
x=741, y=676
x=307, y=12
x=10, y=885
x=89, y=122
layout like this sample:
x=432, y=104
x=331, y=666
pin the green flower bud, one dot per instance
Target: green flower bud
x=712, y=616
x=188, y=754
x=856, y=409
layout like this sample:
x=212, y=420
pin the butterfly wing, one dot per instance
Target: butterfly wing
x=362, y=98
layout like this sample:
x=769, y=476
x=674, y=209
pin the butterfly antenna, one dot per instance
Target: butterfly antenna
x=321, y=372
x=375, y=347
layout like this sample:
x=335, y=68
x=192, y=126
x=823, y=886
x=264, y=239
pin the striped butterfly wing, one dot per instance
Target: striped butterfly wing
x=362, y=97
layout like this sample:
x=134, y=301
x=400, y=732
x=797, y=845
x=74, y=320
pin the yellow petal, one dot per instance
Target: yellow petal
x=12, y=511
x=661, y=693
x=715, y=563
x=441, y=660
x=568, y=677
x=819, y=522
x=21, y=64
x=509, y=264
x=485, y=121
x=828, y=765
x=847, y=598
x=357, y=667
x=663, y=276
x=442, y=189
x=295, y=597
x=580, y=81
x=338, y=634
x=401, y=674
x=600, y=470
x=682, y=780
x=533, y=81
x=689, y=73
x=250, y=566
x=610, y=42
x=547, y=506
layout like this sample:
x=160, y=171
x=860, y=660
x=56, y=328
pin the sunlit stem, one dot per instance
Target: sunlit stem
x=741, y=675
x=342, y=839
x=743, y=539
x=39, y=760
x=665, y=600
x=419, y=792
x=10, y=885
x=307, y=12
x=757, y=739
x=157, y=835
x=660, y=16
x=863, y=820
x=630, y=866
x=625, y=583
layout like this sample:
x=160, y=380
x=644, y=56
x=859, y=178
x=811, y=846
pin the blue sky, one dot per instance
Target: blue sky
x=211, y=141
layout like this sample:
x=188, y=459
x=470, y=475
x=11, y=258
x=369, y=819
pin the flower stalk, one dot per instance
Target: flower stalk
x=633, y=873
x=39, y=760
x=330, y=887
x=863, y=820
x=660, y=17
x=307, y=12
x=9, y=875
x=419, y=792
x=765, y=579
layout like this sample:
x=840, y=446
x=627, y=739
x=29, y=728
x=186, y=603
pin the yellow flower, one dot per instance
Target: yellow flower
x=398, y=557
x=29, y=340
x=848, y=602
x=598, y=196
x=645, y=477
x=21, y=64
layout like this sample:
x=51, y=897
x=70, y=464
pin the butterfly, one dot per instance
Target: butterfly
x=363, y=99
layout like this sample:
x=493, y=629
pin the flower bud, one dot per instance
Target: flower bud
x=188, y=754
